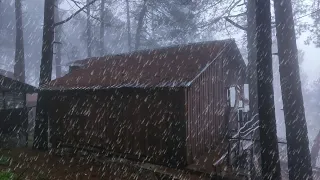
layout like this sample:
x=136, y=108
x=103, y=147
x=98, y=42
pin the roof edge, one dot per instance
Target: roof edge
x=203, y=70
x=94, y=88
x=19, y=85
x=78, y=62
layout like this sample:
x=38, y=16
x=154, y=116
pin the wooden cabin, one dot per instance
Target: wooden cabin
x=13, y=108
x=166, y=106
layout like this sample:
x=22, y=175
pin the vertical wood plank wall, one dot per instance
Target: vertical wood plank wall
x=205, y=102
x=147, y=124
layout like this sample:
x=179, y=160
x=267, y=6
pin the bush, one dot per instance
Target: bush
x=4, y=160
x=5, y=175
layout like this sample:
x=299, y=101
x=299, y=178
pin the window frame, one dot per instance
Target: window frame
x=18, y=100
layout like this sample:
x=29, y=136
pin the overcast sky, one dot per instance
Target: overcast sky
x=311, y=62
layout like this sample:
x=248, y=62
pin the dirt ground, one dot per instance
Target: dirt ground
x=34, y=165
x=30, y=164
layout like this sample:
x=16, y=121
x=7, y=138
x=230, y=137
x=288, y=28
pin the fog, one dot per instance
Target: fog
x=153, y=24
x=73, y=43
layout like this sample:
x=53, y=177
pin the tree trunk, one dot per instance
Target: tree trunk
x=19, y=67
x=252, y=58
x=268, y=131
x=299, y=162
x=252, y=76
x=315, y=150
x=58, y=42
x=140, y=25
x=128, y=25
x=47, y=43
x=102, y=27
x=41, y=127
x=89, y=35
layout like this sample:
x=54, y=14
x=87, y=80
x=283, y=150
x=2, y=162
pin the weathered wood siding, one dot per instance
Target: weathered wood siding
x=147, y=124
x=13, y=119
x=205, y=111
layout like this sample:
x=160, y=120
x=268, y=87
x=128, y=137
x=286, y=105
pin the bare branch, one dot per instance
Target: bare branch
x=232, y=6
x=235, y=24
x=84, y=10
x=74, y=14
x=214, y=21
x=243, y=4
x=57, y=42
x=237, y=15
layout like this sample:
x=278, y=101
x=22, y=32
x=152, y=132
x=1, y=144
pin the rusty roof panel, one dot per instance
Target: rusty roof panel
x=8, y=84
x=167, y=67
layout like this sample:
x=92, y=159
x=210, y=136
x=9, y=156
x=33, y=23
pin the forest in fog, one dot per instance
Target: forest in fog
x=163, y=23
x=37, y=49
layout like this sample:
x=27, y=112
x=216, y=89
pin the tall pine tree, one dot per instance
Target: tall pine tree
x=41, y=128
x=267, y=121
x=19, y=66
x=299, y=162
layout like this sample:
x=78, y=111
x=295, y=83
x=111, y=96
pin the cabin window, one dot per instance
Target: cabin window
x=240, y=103
x=12, y=100
x=246, y=96
x=232, y=96
x=238, y=100
x=19, y=100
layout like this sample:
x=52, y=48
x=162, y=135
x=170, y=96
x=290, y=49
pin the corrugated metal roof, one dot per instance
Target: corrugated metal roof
x=166, y=67
x=9, y=84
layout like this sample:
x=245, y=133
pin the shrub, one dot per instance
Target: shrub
x=6, y=175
